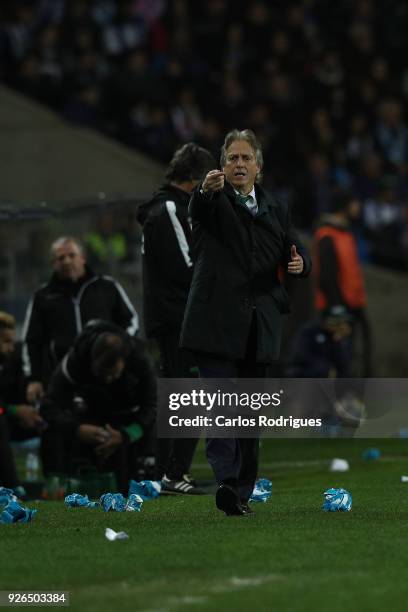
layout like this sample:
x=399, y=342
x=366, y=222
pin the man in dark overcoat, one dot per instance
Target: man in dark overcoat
x=241, y=237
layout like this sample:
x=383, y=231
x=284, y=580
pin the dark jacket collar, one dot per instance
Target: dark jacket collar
x=265, y=200
x=166, y=192
x=69, y=287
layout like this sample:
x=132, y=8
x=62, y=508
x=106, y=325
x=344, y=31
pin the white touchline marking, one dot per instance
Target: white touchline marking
x=235, y=583
x=191, y=599
x=275, y=464
x=308, y=462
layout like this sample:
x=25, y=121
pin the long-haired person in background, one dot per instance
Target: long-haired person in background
x=167, y=273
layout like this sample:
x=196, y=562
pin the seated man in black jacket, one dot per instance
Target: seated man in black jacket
x=100, y=407
x=322, y=349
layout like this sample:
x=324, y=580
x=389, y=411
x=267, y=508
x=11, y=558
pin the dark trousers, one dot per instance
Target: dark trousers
x=63, y=453
x=234, y=460
x=175, y=455
x=8, y=472
x=128, y=462
x=11, y=431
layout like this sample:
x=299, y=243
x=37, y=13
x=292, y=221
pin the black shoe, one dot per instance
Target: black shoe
x=247, y=508
x=190, y=479
x=227, y=499
x=179, y=487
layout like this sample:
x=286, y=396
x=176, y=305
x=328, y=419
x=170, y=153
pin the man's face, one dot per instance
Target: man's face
x=7, y=340
x=109, y=376
x=241, y=168
x=68, y=262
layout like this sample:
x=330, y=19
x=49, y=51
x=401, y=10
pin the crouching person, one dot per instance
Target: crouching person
x=100, y=406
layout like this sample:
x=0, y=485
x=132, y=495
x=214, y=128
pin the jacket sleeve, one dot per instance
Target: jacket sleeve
x=202, y=205
x=12, y=382
x=292, y=238
x=57, y=404
x=166, y=245
x=124, y=313
x=34, y=340
x=328, y=272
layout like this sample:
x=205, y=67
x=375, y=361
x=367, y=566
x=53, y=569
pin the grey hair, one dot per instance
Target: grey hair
x=7, y=321
x=250, y=138
x=63, y=240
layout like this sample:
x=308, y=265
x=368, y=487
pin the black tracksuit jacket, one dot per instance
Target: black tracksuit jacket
x=167, y=261
x=129, y=400
x=59, y=311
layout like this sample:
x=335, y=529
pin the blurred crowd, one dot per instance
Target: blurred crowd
x=323, y=85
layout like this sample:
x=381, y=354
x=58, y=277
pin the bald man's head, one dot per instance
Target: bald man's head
x=68, y=258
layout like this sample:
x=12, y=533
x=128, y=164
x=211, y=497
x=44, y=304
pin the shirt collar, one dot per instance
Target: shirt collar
x=251, y=194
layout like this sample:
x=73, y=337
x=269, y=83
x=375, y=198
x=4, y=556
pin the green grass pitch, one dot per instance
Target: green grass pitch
x=183, y=555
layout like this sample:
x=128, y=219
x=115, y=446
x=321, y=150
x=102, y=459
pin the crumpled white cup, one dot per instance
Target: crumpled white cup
x=339, y=465
x=112, y=535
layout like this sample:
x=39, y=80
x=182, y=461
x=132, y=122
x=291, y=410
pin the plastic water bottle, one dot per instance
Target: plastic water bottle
x=32, y=467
